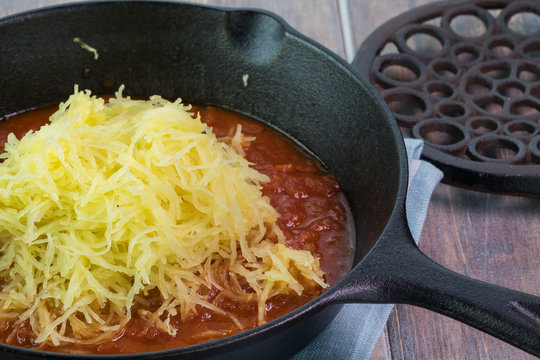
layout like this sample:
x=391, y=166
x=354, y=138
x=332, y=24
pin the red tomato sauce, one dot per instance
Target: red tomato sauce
x=313, y=216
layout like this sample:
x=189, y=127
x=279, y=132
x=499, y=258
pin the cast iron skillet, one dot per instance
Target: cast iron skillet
x=202, y=54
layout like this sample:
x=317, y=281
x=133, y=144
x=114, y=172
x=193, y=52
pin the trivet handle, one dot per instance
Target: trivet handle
x=396, y=271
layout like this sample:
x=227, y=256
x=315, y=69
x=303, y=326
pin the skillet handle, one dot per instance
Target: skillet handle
x=396, y=271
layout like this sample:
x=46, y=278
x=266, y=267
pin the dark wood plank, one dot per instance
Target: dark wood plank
x=490, y=237
x=366, y=16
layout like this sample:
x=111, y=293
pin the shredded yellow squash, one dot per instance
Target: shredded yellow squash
x=112, y=201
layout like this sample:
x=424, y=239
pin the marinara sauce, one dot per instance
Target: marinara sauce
x=313, y=216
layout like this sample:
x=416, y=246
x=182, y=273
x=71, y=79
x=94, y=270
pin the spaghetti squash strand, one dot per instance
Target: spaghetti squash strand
x=111, y=201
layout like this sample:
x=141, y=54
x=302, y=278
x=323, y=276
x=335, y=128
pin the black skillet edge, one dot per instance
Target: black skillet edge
x=302, y=317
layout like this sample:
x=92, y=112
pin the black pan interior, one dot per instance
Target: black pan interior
x=243, y=60
x=254, y=63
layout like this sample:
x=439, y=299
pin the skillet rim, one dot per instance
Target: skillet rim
x=329, y=296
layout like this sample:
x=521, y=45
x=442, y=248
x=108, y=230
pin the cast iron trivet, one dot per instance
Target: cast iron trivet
x=465, y=78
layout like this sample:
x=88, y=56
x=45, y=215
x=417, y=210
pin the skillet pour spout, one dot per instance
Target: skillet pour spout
x=202, y=54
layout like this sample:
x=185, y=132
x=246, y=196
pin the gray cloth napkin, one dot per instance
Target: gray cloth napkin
x=354, y=332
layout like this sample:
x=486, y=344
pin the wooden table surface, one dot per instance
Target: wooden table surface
x=494, y=238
